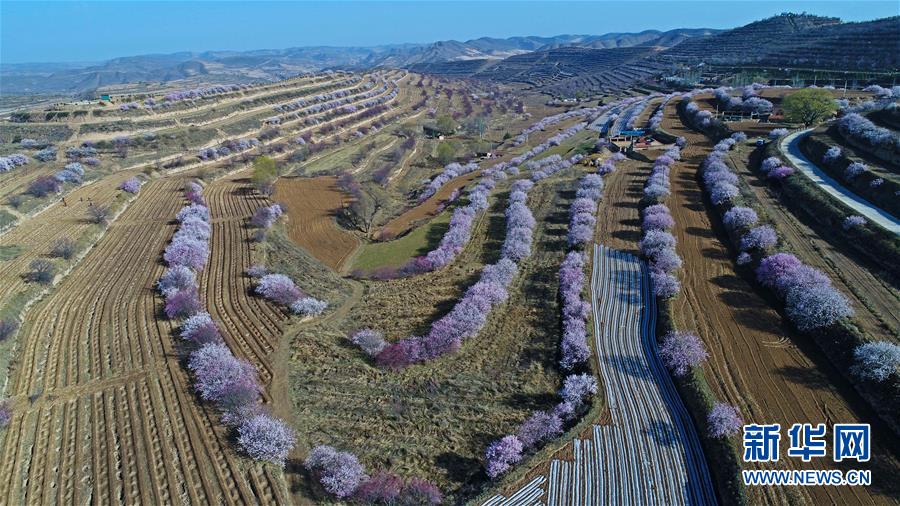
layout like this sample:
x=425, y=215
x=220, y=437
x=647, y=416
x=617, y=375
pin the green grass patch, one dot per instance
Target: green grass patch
x=9, y=252
x=395, y=253
x=6, y=219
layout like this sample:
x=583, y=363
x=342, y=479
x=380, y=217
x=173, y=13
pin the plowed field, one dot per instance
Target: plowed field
x=756, y=362
x=313, y=204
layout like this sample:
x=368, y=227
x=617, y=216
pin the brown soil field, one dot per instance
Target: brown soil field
x=104, y=412
x=756, y=362
x=412, y=217
x=35, y=235
x=16, y=181
x=251, y=325
x=619, y=216
x=415, y=215
x=875, y=298
x=312, y=206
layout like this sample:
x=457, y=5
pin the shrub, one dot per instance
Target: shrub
x=831, y=156
x=501, y=455
x=72, y=173
x=816, y=306
x=781, y=172
x=63, y=248
x=308, y=306
x=738, y=218
x=771, y=163
x=381, y=488
x=278, y=288
x=265, y=217
x=777, y=133
x=665, y=285
x=371, y=341
x=8, y=327
x=6, y=413
x=774, y=269
x=177, y=277
x=42, y=271
x=131, y=185
x=578, y=387
x=659, y=221
x=681, y=351
x=200, y=329
x=47, y=154
x=43, y=185
x=876, y=361
x=851, y=222
x=182, y=303
x=724, y=420
x=854, y=170
x=761, y=238
x=257, y=271
x=340, y=473
x=216, y=369
x=538, y=428
x=419, y=492
x=264, y=437
x=187, y=252
x=655, y=241
x=98, y=214
x=194, y=210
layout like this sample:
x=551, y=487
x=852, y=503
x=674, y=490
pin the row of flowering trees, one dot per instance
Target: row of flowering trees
x=450, y=171
x=470, y=313
x=462, y=220
x=276, y=287
x=228, y=147
x=860, y=129
x=322, y=97
x=342, y=475
x=679, y=351
x=542, y=426
x=658, y=243
x=543, y=123
x=198, y=93
x=342, y=100
x=811, y=301
x=230, y=383
x=656, y=120
x=8, y=163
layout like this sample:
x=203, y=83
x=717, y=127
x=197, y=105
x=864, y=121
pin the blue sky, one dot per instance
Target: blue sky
x=71, y=31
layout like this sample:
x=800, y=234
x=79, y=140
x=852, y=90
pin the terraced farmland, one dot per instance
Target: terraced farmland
x=650, y=437
x=444, y=275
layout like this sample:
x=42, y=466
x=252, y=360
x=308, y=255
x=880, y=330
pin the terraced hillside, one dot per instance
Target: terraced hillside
x=799, y=40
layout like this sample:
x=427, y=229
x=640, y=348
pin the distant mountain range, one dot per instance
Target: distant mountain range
x=787, y=40
x=266, y=64
x=560, y=63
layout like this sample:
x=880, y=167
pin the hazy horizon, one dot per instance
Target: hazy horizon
x=97, y=33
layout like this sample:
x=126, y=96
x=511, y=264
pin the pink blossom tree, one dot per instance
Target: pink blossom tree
x=266, y=438
x=681, y=351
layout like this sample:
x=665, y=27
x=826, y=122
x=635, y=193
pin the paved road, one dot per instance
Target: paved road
x=790, y=146
x=650, y=453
